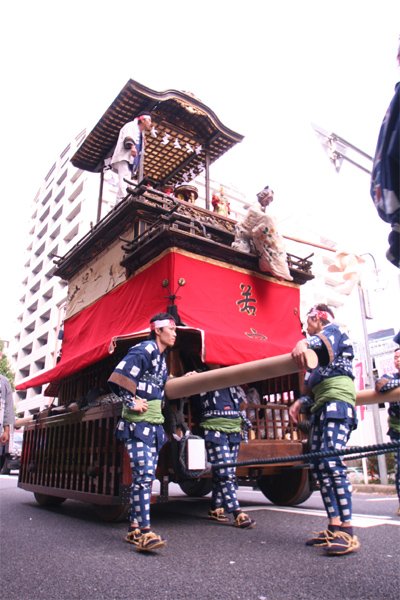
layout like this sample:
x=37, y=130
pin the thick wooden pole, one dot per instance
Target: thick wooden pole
x=372, y=397
x=21, y=422
x=180, y=387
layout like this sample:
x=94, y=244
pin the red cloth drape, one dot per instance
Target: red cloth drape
x=244, y=315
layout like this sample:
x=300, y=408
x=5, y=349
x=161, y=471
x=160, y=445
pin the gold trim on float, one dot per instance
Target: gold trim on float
x=219, y=263
x=152, y=262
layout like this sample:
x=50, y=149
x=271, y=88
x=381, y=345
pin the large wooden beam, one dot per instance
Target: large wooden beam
x=372, y=397
x=277, y=366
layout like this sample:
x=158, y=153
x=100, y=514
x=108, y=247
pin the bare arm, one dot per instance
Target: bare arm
x=5, y=436
x=294, y=411
x=299, y=354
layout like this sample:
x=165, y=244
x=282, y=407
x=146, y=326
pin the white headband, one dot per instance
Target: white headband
x=162, y=323
x=322, y=314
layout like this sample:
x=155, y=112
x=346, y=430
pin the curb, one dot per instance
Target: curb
x=374, y=488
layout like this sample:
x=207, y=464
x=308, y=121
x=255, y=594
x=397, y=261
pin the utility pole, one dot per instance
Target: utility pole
x=375, y=407
x=339, y=150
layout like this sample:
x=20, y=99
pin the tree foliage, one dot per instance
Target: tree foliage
x=5, y=367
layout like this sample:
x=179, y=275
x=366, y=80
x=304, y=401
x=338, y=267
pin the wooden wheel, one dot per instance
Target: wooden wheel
x=196, y=487
x=107, y=512
x=288, y=487
x=46, y=500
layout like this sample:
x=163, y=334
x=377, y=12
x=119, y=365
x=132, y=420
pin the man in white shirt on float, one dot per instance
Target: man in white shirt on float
x=126, y=158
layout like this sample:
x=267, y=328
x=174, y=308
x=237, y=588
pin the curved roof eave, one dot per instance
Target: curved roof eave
x=175, y=114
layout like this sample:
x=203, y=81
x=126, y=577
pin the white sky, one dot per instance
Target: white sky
x=266, y=68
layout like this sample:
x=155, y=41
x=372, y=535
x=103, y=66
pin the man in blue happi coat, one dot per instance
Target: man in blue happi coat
x=330, y=394
x=139, y=380
x=385, y=180
x=390, y=381
x=222, y=422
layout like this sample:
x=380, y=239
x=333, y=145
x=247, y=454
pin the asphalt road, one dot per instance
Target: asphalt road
x=66, y=553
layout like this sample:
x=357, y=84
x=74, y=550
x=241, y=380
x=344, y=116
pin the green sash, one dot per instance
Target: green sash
x=222, y=424
x=394, y=424
x=153, y=414
x=334, y=389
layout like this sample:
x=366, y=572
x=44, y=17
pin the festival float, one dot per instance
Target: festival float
x=158, y=250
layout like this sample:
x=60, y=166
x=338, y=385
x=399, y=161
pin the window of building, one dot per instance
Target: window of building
x=38, y=268
x=54, y=235
x=53, y=252
x=50, y=172
x=29, y=328
x=57, y=214
x=330, y=282
x=52, y=255
x=40, y=250
x=45, y=214
x=42, y=341
x=27, y=350
x=63, y=177
x=47, y=198
x=35, y=288
x=75, y=211
x=64, y=152
x=45, y=318
x=76, y=175
x=49, y=294
x=59, y=196
x=76, y=192
x=24, y=372
x=33, y=307
x=42, y=232
x=39, y=365
x=49, y=274
x=71, y=234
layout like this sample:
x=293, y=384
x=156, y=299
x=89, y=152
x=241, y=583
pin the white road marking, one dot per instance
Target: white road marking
x=358, y=520
x=394, y=498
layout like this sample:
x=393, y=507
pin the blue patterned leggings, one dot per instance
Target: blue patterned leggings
x=224, y=482
x=395, y=437
x=143, y=460
x=331, y=473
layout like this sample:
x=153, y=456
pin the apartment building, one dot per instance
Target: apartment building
x=63, y=210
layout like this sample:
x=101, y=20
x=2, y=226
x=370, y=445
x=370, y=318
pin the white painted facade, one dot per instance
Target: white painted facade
x=63, y=211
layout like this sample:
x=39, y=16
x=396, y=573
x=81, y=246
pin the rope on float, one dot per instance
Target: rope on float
x=355, y=457
x=369, y=450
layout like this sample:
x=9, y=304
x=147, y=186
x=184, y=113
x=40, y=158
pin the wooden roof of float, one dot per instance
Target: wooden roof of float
x=169, y=221
x=178, y=114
